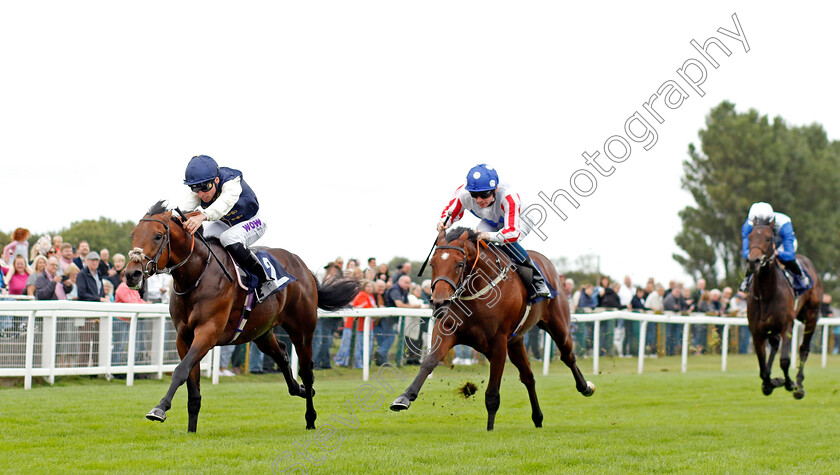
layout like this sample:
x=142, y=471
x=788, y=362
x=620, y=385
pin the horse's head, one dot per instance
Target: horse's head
x=450, y=263
x=152, y=242
x=762, y=245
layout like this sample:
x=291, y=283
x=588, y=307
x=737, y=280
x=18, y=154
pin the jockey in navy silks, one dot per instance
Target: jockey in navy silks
x=229, y=210
x=785, y=241
x=498, y=208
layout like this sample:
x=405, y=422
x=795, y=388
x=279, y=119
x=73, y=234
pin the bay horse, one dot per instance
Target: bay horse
x=205, y=306
x=480, y=301
x=771, y=308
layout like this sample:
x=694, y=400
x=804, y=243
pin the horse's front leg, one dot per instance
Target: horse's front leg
x=497, y=356
x=759, y=342
x=441, y=344
x=784, y=357
x=194, y=398
x=203, y=340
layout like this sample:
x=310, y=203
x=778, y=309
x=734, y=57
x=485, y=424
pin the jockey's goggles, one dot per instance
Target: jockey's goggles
x=482, y=194
x=206, y=186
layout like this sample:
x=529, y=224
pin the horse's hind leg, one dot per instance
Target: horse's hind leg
x=443, y=344
x=269, y=345
x=563, y=338
x=519, y=357
x=810, y=318
x=303, y=347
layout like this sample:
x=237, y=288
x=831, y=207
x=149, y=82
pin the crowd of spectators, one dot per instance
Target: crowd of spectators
x=56, y=270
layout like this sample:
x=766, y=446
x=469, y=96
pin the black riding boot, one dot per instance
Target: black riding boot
x=529, y=273
x=249, y=262
x=795, y=269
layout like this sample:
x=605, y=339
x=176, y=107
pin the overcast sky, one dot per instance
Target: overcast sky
x=355, y=121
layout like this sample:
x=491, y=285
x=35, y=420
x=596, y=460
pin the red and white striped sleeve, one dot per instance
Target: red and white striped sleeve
x=510, y=205
x=455, y=208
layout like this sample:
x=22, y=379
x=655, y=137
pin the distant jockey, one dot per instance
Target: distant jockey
x=498, y=208
x=232, y=214
x=785, y=241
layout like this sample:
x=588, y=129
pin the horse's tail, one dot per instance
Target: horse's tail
x=337, y=293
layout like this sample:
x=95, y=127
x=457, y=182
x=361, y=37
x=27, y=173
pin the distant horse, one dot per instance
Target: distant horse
x=771, y=309
x=480, y=301
x=206, y=306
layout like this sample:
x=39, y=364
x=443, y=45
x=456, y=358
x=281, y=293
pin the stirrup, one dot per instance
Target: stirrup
x=541, y=289
x=265, y=289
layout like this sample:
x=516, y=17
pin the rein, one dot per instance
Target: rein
x=152, y=267
x=503, y=271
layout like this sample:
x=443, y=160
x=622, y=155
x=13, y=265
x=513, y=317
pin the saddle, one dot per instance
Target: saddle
x=248, y=282
x=795, y=282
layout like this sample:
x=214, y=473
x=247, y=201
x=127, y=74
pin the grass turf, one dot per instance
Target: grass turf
x=663, y=421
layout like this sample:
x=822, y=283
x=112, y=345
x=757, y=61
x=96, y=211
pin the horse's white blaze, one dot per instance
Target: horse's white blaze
x=445, y=256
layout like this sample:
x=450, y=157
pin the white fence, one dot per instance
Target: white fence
x=59, y=338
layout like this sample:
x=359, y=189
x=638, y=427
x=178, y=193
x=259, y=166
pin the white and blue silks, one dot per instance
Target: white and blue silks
x=784, y=236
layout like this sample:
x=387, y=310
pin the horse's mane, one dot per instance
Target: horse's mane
x=455, y=233
x=158, y=208
x=764, y=222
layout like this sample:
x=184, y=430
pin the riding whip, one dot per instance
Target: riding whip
x=423, y=267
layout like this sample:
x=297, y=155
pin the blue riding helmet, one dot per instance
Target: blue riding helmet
x=201, y=169
x=482, y=178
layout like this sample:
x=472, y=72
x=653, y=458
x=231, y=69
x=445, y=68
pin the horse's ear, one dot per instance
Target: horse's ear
x=441, y=239
x=464, y=236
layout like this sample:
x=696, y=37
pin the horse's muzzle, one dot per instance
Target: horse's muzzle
x=134, y=279
x=754, y=264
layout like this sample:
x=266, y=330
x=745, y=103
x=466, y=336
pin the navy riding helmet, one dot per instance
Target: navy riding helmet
x=201, y=169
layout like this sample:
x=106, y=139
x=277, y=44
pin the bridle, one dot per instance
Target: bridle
x=456, y=287
x=152, y=267
x=767, y=256
x=462, y=278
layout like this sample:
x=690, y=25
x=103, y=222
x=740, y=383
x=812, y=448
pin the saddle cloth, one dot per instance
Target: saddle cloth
x=248, y=281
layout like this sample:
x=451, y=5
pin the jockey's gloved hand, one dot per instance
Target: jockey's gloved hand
x=486, y=236
x=441, y=225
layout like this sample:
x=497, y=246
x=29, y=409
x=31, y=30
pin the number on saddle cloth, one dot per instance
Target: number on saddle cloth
x=272, y=267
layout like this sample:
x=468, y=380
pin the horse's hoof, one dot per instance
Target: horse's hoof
x=400, y=404
x=156, y=414
x=303, y=392
x=590, y=389
x=766, y=389
x=790, y=387
x=799, y=393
